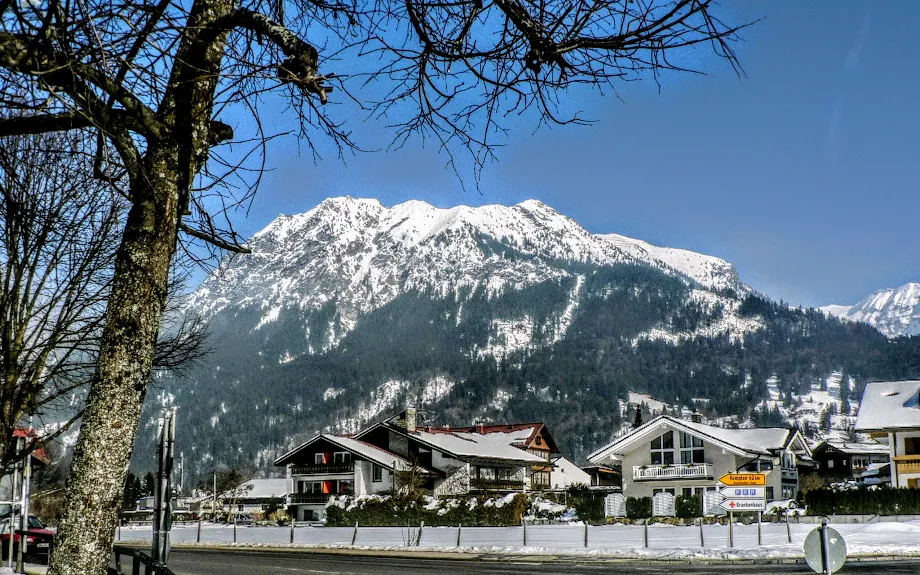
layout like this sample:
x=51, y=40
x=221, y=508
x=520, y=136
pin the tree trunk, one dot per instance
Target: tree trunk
x=96, y=483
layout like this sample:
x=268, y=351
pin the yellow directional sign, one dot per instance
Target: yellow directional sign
x=744, y=479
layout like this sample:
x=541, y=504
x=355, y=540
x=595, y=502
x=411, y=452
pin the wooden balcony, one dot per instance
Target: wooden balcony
x=496, y=485
x=907, y=463
x=675, y=471
x=315, y=497
x=323, y=469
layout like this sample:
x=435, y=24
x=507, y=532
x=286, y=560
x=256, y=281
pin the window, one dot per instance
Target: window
x=539, y=440
x=830, y=463
x=912, y=446
x=240, y=507
x=769, y=493
x=688, y=491
x=691, y=449
x=539, y=478
x=539, y=453
x=341, y=457
x=377, y=474
x=503, y=473
x=663, y=449
x=346, y=486
x=487, y=473
x=657, y=491
x=319, y=458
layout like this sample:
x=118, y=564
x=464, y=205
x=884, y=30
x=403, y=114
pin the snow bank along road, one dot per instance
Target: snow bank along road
x=608, y=541
x=282, y=562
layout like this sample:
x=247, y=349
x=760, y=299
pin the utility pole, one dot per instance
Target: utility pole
x=214, y=503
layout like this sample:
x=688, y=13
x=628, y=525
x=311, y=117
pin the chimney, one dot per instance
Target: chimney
x=696, y=417
x=480, y=428
x=410, y=419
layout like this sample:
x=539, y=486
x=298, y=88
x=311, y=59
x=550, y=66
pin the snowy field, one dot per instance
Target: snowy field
x=664, y=541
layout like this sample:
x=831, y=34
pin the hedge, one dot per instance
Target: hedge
x=862, y=501
x=400, y=512
x=638, y=507
x=688, y=506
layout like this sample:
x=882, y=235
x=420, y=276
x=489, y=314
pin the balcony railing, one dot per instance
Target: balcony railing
x=323, y=469
x=315, y=497
x=676, y=471
x=907, y=463
x=496, y=485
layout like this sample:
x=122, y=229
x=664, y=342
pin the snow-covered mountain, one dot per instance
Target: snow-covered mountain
x=358, y=255
x=894, y=312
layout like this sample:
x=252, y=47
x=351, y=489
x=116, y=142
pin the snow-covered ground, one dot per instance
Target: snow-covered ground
x=626, y=541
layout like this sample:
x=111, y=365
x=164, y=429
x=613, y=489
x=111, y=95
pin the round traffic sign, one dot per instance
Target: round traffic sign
x=836, y=550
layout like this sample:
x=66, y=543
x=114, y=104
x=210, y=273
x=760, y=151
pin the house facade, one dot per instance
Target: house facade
x=890, y=413
x=533, y=438
x=460, y=461
x=847, y=460
x=329, y=465
x=681, y=457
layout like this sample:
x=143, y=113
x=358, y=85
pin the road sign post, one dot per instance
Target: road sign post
x=825, y=549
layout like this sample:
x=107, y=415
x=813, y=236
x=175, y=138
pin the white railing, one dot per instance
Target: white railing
x=678, y=470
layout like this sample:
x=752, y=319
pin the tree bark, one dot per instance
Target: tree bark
x=102, y=454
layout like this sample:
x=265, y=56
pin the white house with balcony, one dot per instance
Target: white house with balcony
x=890, y=413
x=329, y=465
x=682, y=457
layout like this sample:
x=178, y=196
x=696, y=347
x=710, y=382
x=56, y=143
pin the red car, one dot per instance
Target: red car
x=38, y=538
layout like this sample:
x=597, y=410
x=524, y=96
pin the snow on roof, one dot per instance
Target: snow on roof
x=264, y=488
x=889, y=405
x=858, y=447
x=381, y=457
x=488, y=446
x=517, y=434
x=752, y=441
x=357, y=447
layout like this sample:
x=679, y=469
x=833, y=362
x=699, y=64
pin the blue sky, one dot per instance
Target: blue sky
x=805, y=174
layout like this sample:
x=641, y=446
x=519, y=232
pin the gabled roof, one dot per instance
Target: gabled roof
x=518, y=434
x=756, y=441
x=889, y=405
x=853, y=447
x=372, y=453
x=463, y=445
x=263, y=488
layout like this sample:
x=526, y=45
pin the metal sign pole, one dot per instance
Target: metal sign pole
x=825, y=560
x=158, y=494
x=13, y=513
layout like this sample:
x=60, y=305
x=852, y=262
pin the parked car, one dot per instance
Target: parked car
x=38, y=538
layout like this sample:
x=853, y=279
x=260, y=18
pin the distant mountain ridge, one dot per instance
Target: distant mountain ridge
x=894, y=312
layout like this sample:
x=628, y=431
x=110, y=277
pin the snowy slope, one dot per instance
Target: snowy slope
x=894, y=312
x=358, y=255
x=708, y=271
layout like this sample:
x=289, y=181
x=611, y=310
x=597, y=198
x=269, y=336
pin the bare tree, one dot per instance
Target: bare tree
x=59, y=231
x=150, y=76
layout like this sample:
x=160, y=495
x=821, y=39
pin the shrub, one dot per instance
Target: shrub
x=862, y=501
x=638, y=507
x=401, y=511
x=688, y=506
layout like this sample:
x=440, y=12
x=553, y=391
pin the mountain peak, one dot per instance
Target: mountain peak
x=893, y=311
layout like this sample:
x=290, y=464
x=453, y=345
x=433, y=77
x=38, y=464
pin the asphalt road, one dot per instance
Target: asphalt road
x=239, y=562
